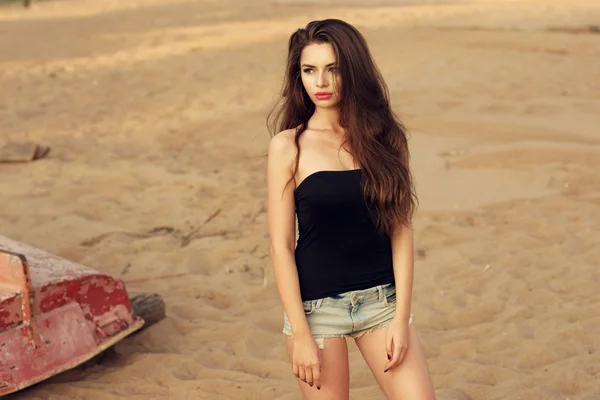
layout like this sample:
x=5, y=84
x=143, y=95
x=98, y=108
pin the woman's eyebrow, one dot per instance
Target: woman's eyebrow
x=312, y=66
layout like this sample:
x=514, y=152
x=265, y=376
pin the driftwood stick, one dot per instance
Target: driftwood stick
x=186, y=239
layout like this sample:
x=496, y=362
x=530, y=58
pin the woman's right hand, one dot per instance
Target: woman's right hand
x=306, y=360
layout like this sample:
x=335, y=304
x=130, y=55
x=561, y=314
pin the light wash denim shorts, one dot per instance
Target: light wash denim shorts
x=350, y=314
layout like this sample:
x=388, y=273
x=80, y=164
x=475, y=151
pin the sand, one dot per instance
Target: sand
x=155, y=115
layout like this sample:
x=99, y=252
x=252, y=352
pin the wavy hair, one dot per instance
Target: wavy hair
x=376, y=136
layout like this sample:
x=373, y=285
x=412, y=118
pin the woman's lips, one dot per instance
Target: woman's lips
x=323, y=95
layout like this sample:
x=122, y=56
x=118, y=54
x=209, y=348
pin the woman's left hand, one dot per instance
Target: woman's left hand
x=396, y=342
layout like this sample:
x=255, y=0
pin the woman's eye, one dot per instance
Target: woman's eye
x=332, y=69
x=307, y=70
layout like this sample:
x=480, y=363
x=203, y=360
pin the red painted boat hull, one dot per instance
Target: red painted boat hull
x=54, y=314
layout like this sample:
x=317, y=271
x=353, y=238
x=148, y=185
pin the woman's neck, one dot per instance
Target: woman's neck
x=326, y=119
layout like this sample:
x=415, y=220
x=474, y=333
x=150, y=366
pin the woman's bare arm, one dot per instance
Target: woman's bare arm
x=403, y=260
x=282, y=228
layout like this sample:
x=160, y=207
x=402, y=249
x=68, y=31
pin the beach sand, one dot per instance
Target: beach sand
x=155, y=114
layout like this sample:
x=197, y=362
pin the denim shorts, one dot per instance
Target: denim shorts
x=350, y=314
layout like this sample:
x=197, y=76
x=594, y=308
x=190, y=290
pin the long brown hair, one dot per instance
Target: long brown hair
x=375, y=135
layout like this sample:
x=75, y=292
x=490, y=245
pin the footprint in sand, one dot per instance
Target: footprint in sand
x=187, y=371
x=215, y=299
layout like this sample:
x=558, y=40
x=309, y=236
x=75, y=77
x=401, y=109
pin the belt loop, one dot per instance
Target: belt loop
x=318, y=304
x=380, y=292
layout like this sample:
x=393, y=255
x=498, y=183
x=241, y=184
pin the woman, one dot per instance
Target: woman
x=340, y=164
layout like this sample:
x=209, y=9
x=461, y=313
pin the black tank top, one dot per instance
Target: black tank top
x=339, y=248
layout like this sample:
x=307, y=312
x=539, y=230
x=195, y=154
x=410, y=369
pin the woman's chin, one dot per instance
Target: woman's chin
x=329, y=103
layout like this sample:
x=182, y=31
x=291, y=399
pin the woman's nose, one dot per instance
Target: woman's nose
x=322, y=80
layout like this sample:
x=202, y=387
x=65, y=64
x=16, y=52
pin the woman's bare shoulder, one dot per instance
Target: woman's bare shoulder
x=282, y=144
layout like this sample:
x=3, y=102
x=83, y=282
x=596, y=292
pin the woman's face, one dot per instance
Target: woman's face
x=320, y=76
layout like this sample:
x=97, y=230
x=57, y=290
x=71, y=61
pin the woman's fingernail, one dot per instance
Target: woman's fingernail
x=318, y=388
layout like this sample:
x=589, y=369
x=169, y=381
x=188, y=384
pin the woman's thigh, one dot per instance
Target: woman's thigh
x=335, y=380
x=410, y=379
